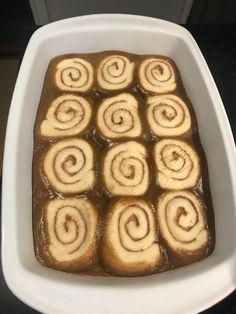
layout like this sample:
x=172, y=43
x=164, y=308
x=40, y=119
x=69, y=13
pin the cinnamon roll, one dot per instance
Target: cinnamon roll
x=129, y=243
x=182, y=222
x=71, y=226
x=157, y=75
x=177, y=165
x=115, y=72
x=74, y=74
x=68, y=165
x=118, y=117
x=67, y=115
x=125, y=169
x=168, y=115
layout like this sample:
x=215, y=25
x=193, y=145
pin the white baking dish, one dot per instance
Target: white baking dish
x=185, y=290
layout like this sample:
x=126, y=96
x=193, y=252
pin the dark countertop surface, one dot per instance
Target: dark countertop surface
x=218, y=45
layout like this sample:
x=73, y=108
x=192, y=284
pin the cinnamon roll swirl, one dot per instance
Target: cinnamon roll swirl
x=129, y=243
x=71, y=226
x=68, y=165
x=74, y=74
x=157, y=75
x=177, y=165
x=118, y=117
x=125, y=169
x=67, y=115
x=182, y=222
x=115, y=72
x=168, y=115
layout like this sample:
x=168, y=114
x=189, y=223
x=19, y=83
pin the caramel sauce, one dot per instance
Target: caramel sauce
x=42, y=191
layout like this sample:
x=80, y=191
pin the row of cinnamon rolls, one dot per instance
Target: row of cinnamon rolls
x=115, y=72
x=69, y=167
x=117, y=117
x=129, y=243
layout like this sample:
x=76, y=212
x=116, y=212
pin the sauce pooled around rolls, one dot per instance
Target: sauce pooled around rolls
x=120, y=178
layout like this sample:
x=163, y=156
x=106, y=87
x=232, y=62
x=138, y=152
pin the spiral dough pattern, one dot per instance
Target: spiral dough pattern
x=168, y=115
x=67, y=115
x=118, y=117
x=177, y=165
x=125, y=169
x=74, y=74
x=129, y=243
x=68, y=165
x=115, y=72
x=157, y=76
x=71, y=227
x=182, y=222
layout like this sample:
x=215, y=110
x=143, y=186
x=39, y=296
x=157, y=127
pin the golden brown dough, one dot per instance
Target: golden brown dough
x=125, y=169
x=115, y=72
x=157, y=75
x=74, y=74
x=71, y=226
x=182, y=223
x=168, y=115
x=129, y=243
x=67, y=115
x=118, y=117
x=177, y=165
x=68, y=165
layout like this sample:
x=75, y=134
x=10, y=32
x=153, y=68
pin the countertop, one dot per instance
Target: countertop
x=218, y=45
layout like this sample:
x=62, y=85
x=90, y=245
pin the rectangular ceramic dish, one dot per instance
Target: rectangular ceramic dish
x=191, y=288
